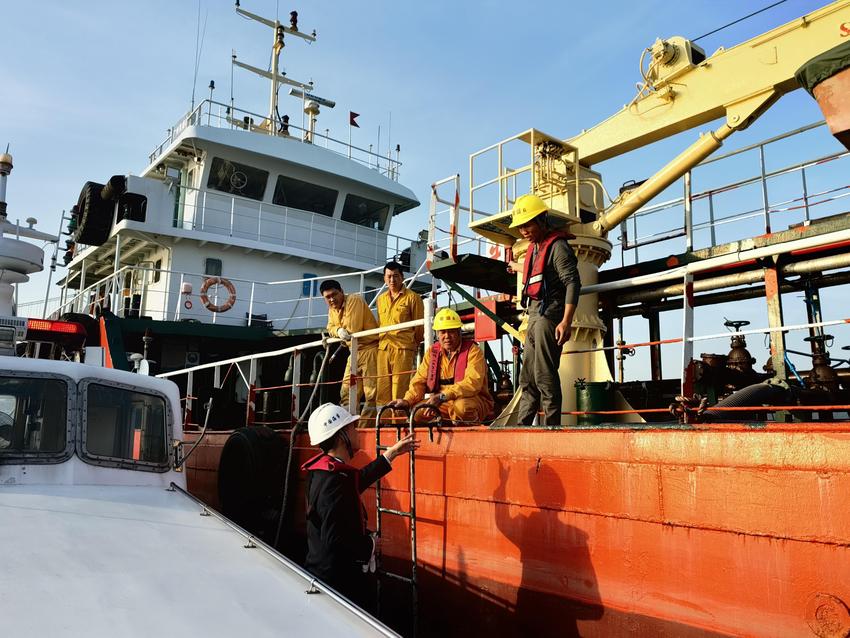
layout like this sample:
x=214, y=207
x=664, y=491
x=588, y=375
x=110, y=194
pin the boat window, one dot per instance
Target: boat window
x=305, y=196
x=365, y=212
x=33, y=417
x=212, y=267
x=125, y=427
x=157, y=270
x=237, y=179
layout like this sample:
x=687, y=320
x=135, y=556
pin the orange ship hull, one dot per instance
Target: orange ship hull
x=726, y=530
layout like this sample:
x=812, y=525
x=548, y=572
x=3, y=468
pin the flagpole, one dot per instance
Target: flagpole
x=352, y=123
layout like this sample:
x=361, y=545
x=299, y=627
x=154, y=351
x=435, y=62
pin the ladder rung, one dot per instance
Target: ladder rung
x=405, y=579
x=386, y=510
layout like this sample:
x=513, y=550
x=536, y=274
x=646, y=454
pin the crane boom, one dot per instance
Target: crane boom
x=683, y=89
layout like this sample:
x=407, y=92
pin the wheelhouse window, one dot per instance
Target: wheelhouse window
x=237, y=179
x=304, y=196
x=365, y=212
x=125, y=426
x=33, y=417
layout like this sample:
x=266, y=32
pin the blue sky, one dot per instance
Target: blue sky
x=90, y=88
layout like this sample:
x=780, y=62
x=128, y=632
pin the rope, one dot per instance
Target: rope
x=292, y=434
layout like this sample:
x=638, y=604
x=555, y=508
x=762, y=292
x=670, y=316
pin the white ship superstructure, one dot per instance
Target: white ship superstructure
x=237, y=217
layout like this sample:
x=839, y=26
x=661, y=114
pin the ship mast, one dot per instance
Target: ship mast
x=276, y=78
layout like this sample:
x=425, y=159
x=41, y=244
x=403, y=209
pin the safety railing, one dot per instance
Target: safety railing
x=233, y=216
x=445, y=239
x=695, y=217
x=35, y=309
x=217, y=115
x=167, y=295
x=247, y=370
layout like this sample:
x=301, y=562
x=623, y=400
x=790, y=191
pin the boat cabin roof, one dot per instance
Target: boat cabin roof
x=279, y=153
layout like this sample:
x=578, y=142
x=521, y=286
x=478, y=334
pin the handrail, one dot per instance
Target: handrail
x=304, y=346
x=232, y=118
x=111, y=277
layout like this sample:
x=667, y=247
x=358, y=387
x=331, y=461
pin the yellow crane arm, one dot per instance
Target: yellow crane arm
x=682, y=90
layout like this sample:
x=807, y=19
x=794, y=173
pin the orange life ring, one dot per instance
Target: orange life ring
x=218, y=281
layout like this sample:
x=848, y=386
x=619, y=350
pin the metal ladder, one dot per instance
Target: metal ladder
x=380, y=511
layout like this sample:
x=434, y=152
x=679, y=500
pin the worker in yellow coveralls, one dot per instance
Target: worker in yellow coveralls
x=454, y=372
x=348, y=314
x=397, y=348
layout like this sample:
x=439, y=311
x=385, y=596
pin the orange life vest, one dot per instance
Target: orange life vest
x=533, y=278
x=433, y=382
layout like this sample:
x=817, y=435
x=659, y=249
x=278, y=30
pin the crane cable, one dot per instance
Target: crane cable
x=770, y=6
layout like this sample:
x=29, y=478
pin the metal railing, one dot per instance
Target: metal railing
x=804, y=201
x=233, y=216
x=247, y=367
x=444, y=235
x=162, y=294
x=217, y=115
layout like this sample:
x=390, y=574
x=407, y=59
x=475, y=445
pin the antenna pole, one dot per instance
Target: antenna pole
x=277, y=47
x=232, y=60
x=52, y=265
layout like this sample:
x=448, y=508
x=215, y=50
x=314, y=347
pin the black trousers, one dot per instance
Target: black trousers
x=539, y=380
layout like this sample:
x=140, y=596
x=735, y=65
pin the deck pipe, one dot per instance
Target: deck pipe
x=737, y=279
x=737, y=294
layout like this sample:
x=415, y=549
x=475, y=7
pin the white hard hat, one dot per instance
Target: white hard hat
x=327, y=420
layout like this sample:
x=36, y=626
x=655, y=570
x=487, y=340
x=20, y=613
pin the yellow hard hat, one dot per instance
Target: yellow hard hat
x=447, y=319
x=526, y=208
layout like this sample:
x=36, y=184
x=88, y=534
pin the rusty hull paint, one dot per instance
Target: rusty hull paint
x=831, y=95
x=721, y=530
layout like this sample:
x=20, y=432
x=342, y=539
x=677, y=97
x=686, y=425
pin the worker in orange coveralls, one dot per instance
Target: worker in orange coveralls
x=397, y=348
x=454, y=373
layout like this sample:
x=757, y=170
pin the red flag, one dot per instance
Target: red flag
x=352, y=119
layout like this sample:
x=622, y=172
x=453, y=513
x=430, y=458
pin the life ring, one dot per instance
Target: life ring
x=187, y=304
x=218, y=281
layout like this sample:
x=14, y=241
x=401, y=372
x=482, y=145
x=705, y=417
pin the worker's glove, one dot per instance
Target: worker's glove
x=343, y=334
x=370, y=566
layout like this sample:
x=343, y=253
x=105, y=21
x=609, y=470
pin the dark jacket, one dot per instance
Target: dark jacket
x=338, y=543
x=562, y=282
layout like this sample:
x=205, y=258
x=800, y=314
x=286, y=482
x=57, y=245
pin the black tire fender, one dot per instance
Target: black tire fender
x=250, y=476
x=95, y=216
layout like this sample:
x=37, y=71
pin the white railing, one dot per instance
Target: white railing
x=444, y=236
x=233, y=216
x=247, y=367
x=292, y=304
x=218, y=115
x=34, y=309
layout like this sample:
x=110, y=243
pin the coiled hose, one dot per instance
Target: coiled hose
x=755, y=395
